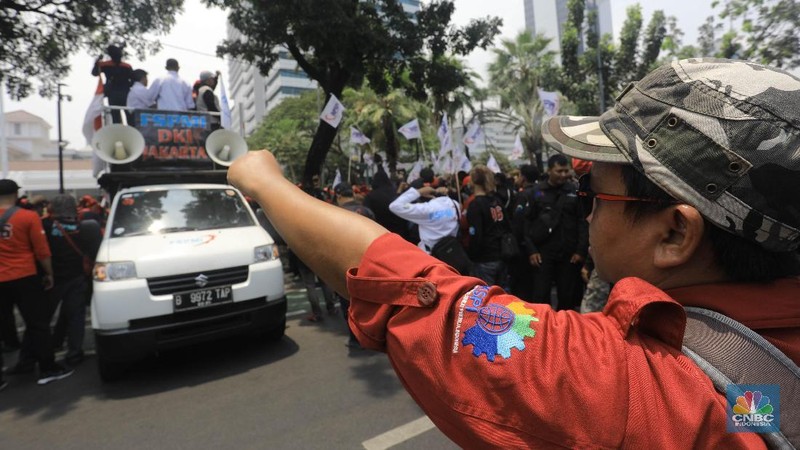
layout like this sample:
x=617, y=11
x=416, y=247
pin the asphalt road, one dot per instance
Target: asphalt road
x=307, y=391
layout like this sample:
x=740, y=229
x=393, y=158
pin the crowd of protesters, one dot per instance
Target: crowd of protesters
x=523, y=230
x=47, y=251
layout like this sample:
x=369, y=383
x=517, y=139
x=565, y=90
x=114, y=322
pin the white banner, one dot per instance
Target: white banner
x=474, y=135
x=333, y=112
x=550, y=102
x=357, y=137
x=411, y=130
x=492, y=165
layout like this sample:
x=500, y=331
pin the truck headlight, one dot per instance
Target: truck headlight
x=266, y=252
x=114, y=271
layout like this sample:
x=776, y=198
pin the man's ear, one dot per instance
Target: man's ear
x=682, y=234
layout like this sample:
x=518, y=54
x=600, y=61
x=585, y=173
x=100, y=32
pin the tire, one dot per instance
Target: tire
x=110, y=370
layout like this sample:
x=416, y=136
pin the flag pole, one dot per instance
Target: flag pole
x=455, y=176
x=350, y=164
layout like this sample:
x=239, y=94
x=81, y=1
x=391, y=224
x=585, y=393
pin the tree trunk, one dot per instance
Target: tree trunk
x=325, y=134
x=391, y=143
x=323, y=139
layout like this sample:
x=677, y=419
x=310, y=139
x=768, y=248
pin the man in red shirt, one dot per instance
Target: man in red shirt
x=694, y=203
x=23, y=244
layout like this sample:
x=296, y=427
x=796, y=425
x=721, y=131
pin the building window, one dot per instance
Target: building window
x=293, y=73
x=17, y=129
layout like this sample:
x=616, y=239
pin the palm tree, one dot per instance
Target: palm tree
x=380, y=116
x=520, y=67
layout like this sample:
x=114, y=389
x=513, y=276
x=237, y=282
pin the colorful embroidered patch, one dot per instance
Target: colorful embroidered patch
x=500, y=328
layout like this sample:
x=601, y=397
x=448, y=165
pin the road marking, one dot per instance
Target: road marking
x=399, y=434
x=296, y=313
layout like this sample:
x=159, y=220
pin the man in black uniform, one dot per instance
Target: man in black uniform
x=519, y=269
x=556, y=236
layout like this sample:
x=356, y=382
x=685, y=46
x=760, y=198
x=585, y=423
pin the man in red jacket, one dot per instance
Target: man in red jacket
x=23, y=244
x=694, y=203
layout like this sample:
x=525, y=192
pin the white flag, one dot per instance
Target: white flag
x=462, y=163
x=518, y=150
x=492, y=165
x=474, y=135
x=337, y=179
x=225, y=114
x=445, y=138
x=411, y=130
x=333, y=112
x=414, y=174
x=357, y=137
x=446, y=164
x=550, y=102
x=92, y=121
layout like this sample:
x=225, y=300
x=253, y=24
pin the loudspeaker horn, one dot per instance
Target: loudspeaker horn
x=118, y=144
x=224, y=146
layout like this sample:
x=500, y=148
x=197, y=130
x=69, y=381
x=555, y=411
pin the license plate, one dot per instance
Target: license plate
x=202, y=298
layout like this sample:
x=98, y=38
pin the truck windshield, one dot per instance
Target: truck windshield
x=178, y=210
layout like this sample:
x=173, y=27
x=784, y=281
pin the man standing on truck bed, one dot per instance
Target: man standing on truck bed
x=171, y=91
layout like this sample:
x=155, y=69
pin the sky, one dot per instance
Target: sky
x=198, y=30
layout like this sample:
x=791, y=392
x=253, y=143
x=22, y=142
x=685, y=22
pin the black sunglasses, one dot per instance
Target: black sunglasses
x=586, y=196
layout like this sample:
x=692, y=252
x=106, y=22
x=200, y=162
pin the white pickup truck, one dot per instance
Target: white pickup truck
x=181, y=264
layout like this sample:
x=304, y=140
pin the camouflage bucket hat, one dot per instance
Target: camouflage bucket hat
x=720, y=135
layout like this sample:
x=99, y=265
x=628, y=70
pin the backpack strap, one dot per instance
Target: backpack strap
x=69, y=239
x=7, y=215
x=730, y=353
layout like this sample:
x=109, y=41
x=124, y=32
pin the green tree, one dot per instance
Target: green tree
x=635, y=55
x=287, y=131
x=38, y=36
x=379, y=116
x=339, y=43
x=706, y=39
x=768, y=32
x=519, y=68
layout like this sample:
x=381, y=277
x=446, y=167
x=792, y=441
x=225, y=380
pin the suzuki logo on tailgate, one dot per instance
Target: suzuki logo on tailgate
x=201, y=280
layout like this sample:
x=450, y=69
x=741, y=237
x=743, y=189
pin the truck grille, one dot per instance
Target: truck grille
x=186, y=282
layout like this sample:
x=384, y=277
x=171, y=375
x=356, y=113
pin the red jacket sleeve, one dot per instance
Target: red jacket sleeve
x=490, y=370
x=41, y=249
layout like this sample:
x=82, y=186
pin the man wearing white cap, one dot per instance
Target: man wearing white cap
x=207, y=101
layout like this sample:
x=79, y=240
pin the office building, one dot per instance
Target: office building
x=548, y=17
